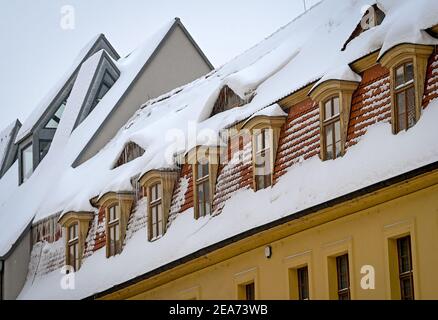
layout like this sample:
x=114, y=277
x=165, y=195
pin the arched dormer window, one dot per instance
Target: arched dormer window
x=264, y=128
x=407, y=64
x=159, y=190
x=76, y=225
x=205, y=163
x=334, y=99
x=130, y=152
x=117, y=207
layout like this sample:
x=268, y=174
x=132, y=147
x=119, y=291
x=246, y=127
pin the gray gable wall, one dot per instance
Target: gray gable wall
x=176, y=61
x=10, y=154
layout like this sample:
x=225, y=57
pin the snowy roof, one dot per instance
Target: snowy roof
x=298, y=54
x=66, y=145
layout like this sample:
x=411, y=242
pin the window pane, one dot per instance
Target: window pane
x=250, y=291
x=328, y=109
x=329, y=141
x=401, y=110
x=409, y=72
x=260, y=182
x=56, y=118
x=207, y=197
x=44, y=148
x=399, y=76
x=117, y=212
x=303, y=283
x=26, y=162
x=337, y=131
x=335, y=106
x=342, y=268
x=160, y=220
x=259, y=142
x=411, y=107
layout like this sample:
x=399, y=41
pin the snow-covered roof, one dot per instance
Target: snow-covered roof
x=300, y=53
x=304, y=186
x=56, y=168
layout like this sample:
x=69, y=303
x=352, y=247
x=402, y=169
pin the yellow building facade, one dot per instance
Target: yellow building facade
x=365, y=225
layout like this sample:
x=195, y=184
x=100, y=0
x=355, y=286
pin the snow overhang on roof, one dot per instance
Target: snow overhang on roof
x=302, y=52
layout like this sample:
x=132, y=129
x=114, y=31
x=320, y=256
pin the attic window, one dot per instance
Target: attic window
x=105, y=86
x=56, y=118
x=129, y=153
x=372, y=17
x=227, y=100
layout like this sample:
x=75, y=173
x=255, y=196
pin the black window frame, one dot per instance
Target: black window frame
x=343, y=292
x=405, y=274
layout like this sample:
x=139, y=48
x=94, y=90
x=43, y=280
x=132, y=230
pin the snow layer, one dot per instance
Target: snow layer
x=304, y=185
x=298, y=54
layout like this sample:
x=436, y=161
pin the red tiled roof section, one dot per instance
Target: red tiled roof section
x=186, y=172
x=371, y=103
x=236, y=174
x=99, y=231
x=431, y=88
x=299, y=137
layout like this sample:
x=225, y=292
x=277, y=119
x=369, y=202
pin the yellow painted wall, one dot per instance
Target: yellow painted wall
x=365, y=235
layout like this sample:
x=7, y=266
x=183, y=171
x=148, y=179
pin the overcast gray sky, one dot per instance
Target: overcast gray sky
x=36, y=51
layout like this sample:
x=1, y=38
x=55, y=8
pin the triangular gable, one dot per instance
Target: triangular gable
x=130, y=152
x=372, y=17
x=227, y=100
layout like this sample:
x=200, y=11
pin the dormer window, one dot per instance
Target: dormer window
x=130, y=152
x=264, y=130
x=332, y=128
x=405, y=96
x=372, y=17
x=114, y=241
x=159, y=190
x=334, y=98
x=117, y=206
x=262, y=158
x=407, y=64
x=205, y=163
x=75, y=226
x=227, y=100
x=203, y=189
x=156, y=209
x=73, y=246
